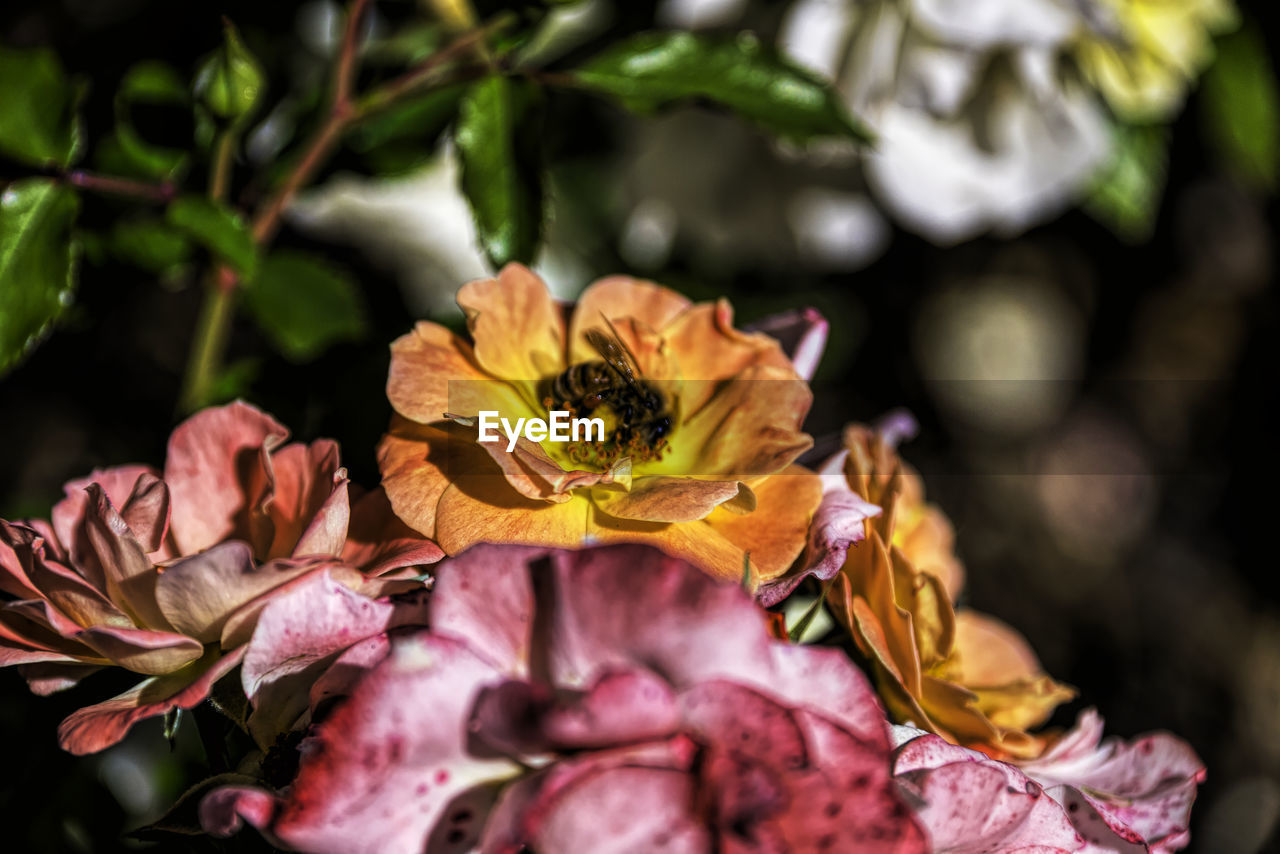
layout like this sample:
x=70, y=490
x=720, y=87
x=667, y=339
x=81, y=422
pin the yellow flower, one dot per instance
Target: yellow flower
x=717, y=483
x=964, y=676
x=1145, y=53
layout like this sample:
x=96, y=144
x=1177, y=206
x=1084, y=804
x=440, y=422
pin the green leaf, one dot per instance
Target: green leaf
x=304, y=304
x=1127, y=192
x=151, y=244
x=658, y=68
x=1242, y=108
x=38, y=122
x=149, y=83
x=37, y=262
x=403, y=137
x=498, y=142
x=217, y=228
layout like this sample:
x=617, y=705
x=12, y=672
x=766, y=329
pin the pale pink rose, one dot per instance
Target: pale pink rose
x=165, y=574
x=657, y=710
x=1084, y=795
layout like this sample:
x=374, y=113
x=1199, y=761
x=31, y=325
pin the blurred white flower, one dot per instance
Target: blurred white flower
x=980, y=126
x=696, y=14
x=420, y=228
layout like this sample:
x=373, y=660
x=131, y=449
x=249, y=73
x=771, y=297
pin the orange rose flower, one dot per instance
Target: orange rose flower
x=702, y=427
x=962, y=675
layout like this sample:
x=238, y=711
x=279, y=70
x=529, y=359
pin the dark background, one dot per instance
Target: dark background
x=1124, y=520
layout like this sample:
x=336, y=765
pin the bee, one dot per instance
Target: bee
x=641, y=420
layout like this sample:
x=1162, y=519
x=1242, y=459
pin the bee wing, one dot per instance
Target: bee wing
x=615, y=353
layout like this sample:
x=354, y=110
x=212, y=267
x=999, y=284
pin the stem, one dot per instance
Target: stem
x=112, y=186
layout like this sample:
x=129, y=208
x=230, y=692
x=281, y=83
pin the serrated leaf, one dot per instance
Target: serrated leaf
x=658, y=68
x=1127, y=192
x=149, y=83
x=38, y=103
x=217, y=228
x=37, y=262
x=498, y=142
x=304, y=304
x=1242, y=108
x=150, y=244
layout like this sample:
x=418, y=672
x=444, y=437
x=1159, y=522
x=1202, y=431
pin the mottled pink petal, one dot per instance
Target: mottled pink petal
x=802, y=334
x=297, y=634
x=383, y=769
x=214, y=459
x=278, y=578
x=484, y=595
x=224, y=811
x=97, y=727
x=589, y=632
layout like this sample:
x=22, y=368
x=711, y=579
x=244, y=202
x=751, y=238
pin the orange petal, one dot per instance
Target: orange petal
x=708, y=348
x=669, y=499
x=775, y=532
x=434, y=372
x=618, y=298
x=533, y=474
x=870, y=571
x=696, y=542
x=991, y=652
x=517, y=327
x=484, y=508
x=417, y=463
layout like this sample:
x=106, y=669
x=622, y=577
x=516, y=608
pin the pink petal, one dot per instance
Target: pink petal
x=297, y=634
x=382, y=770
x=97, y=727
x=142, y=650
x=837, y=526
x=49, y=677
x=484, y=596
x=225, y=810
x=802, y=334
x=146, y=511
x=68, y=514
x=279, y=577
x=129, y=576
x=13, y=575
x=378, y=542
x=75, y=599
x=674, y=610
x=214, y=470
x=307, y=501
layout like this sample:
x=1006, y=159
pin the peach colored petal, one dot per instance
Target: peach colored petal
x=696, y=542
x=749, y=428
x=424, y=365
x=517, y=327
x=197, y=594
x=483, y=508
x=659, y=498
x=707, y=347
x=142, y=650
x=932, y=620
x=417, y=463
x=50, y=677
x=774, y=533
x=46, y=579
x=619, y=298
x=531, y=471
x=212, y=457
x=97, y=727
x=129, y=574
x=991, y=652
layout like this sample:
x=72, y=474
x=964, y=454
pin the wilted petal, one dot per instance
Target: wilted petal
x=97, y=727
x=214, y=462
x=129, y=575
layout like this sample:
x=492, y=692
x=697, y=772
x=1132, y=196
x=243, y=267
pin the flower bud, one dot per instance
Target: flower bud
x=230, y=80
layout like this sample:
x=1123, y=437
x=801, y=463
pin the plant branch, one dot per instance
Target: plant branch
x=112, y=185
